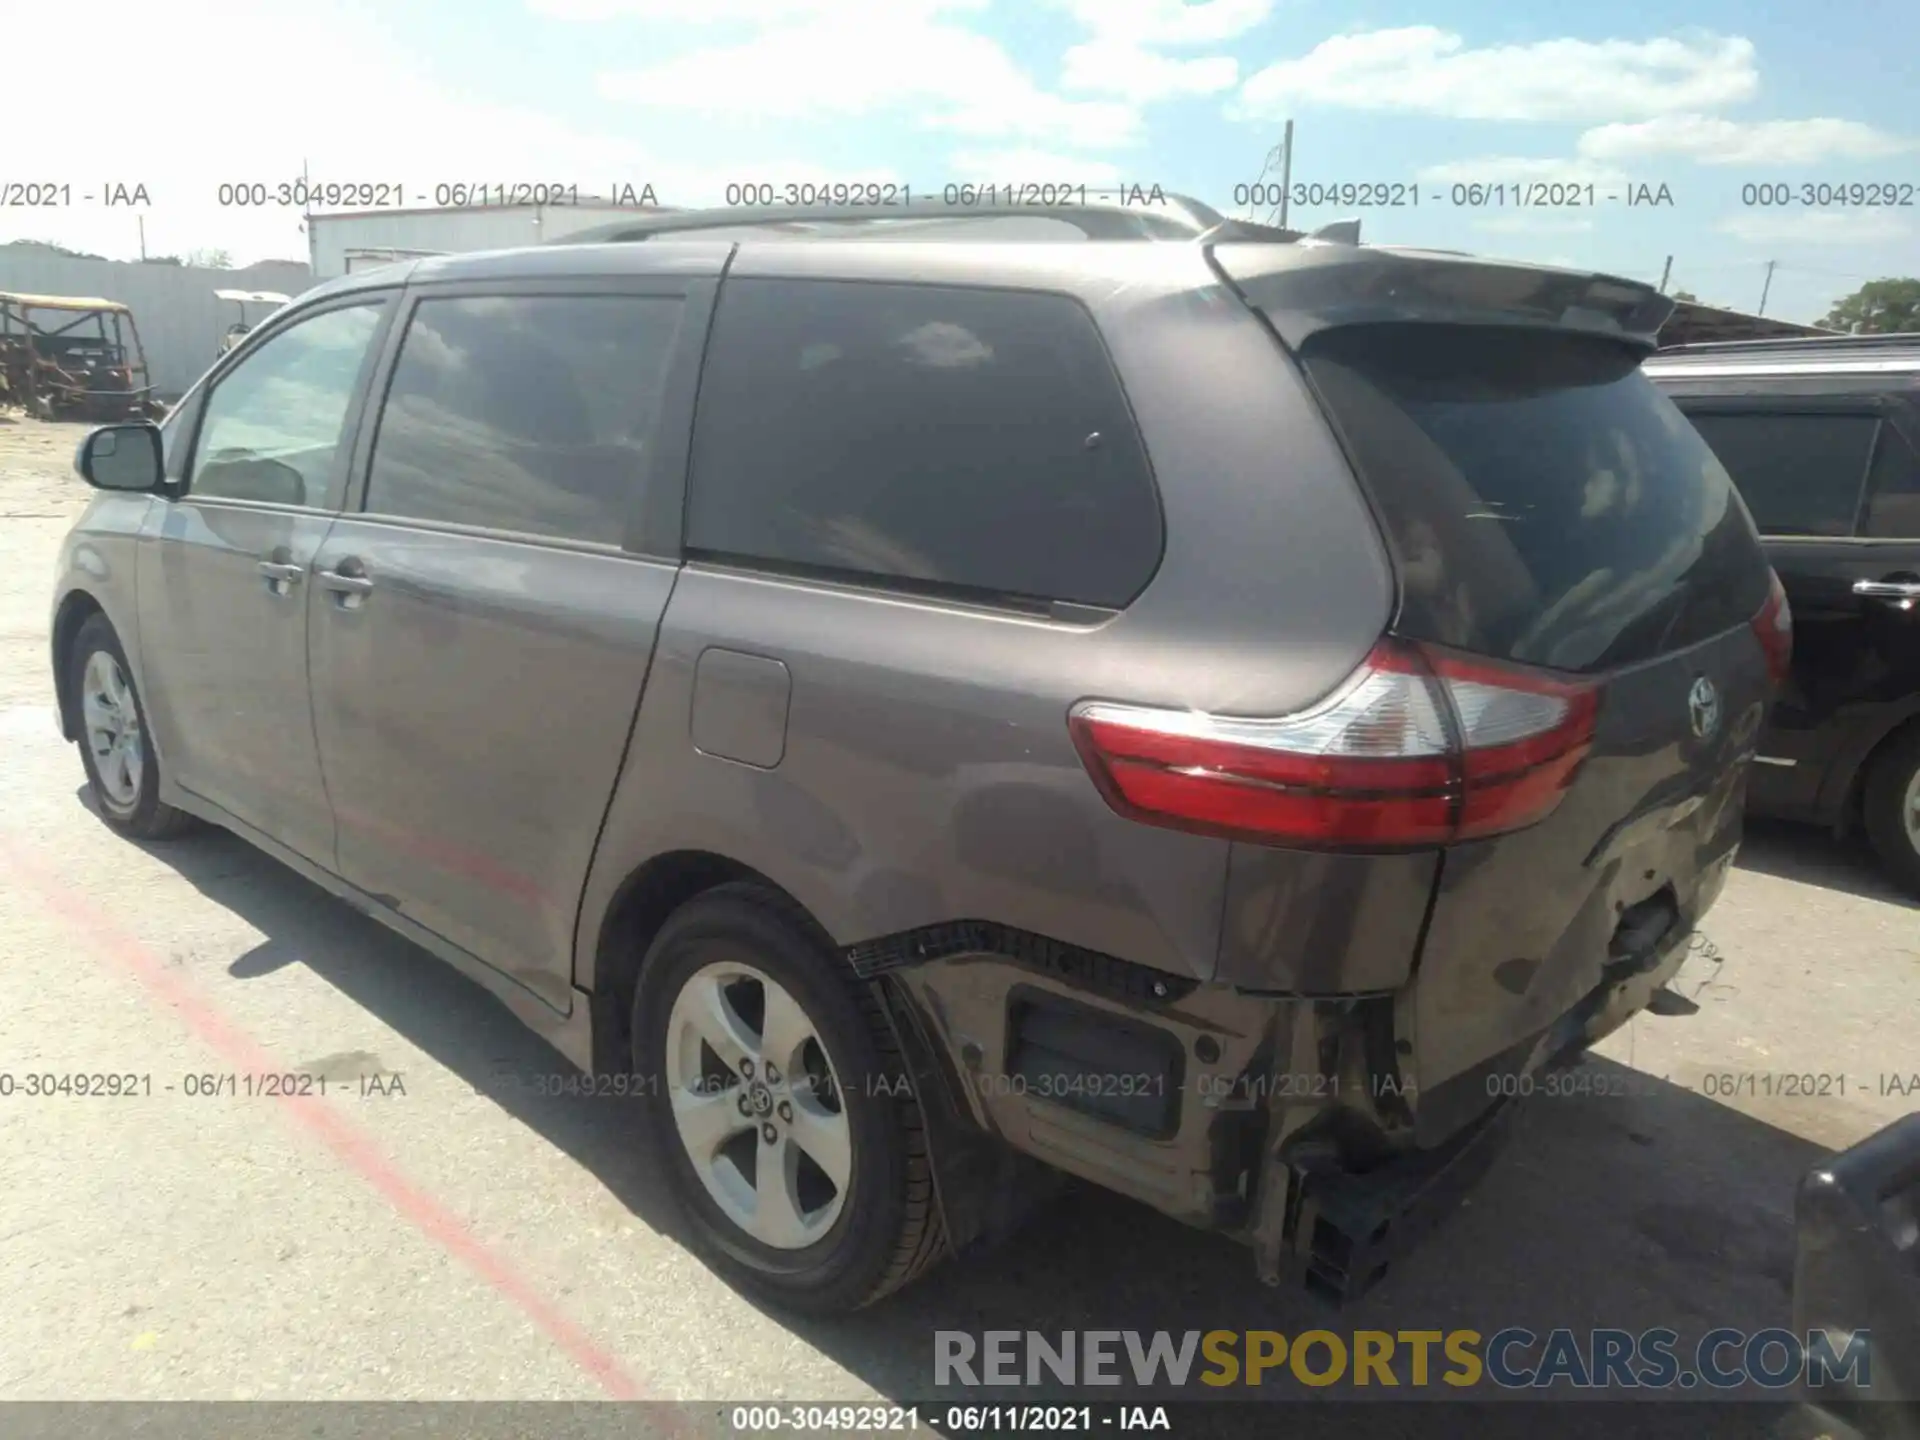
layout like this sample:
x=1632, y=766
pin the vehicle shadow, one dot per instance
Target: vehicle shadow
x=1812, y=856
x=1641, y=1207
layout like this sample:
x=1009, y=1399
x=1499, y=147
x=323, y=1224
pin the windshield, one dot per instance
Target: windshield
x=1544, y=501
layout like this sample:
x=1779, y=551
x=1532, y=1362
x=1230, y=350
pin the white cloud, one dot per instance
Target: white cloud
x=1520, y=170
x=394, y=123
x=1124, y=57
x=754, y=12
x=1820, y=227
x=1169, y=22
x=1712, y=140
x=373, y=117
x=1120, y=67
x=1022, y=167
x=1422, y=69
x=953, y=78
x=814, y=58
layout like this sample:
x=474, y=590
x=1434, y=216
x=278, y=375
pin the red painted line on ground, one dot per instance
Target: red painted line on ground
x=352, y=1145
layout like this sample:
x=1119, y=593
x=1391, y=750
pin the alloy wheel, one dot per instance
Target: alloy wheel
x=113, y=735
x=758, y=1106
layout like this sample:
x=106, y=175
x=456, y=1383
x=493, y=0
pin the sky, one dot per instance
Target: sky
x=1727, y=104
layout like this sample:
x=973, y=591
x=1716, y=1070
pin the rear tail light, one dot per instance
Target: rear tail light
x=1774, y=626
x=1417, y=747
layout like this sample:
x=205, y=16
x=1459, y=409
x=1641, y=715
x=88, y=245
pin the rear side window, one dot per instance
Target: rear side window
x=1893, y=490
x=1544, y=502
x=936, y=438
x=531, y=414
x=1799, y=474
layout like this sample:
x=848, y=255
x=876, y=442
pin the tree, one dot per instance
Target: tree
x=1686, y=295
x=1879, y=307
x=210, y=259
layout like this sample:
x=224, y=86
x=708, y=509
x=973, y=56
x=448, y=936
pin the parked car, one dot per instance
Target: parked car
x=1212, y=715
x=1822, y=437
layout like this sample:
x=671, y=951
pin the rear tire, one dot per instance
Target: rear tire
x=1890, y=807
x=115, y=749
x=810, y=1186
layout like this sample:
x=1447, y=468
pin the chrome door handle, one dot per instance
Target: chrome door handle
x=346, y=584
x=1887, y=589
x=291, y=574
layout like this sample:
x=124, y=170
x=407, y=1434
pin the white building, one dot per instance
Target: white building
x=360, y=239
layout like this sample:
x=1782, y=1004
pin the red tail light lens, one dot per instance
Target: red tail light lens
x=1415, y=748
x=1523, y=735
x=1774, y=626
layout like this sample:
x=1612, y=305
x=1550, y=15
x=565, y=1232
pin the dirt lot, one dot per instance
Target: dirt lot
x=466, y=1240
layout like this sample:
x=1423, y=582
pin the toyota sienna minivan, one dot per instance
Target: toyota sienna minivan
x=1204, y=709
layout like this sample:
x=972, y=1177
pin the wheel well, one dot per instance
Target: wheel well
x=640, y=907
x=75, y=611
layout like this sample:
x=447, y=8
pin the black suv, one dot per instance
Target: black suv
x=1822, y=437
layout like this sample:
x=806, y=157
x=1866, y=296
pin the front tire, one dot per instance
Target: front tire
x=1891, y=809
x=780, y=1108
x=122, y=770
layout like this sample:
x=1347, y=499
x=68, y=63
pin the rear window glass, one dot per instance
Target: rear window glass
x=1545, y=503
x=1799, y=474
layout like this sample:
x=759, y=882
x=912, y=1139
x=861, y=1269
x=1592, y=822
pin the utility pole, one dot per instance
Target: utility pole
x=1286, y=174
x=1666, y=274
x=141, y=221
x=1766, y=287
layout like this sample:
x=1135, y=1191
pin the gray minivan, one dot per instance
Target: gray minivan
x=1213, y=712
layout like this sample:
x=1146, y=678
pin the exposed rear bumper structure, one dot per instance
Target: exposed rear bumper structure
x=1283, y=1121
x=1340, y=1232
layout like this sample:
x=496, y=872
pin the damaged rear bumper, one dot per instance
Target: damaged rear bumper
x=1283, y=1121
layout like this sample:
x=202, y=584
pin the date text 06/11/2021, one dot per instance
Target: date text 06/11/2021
x=196, y=1085
x=1461, y=194
x=884, y=1419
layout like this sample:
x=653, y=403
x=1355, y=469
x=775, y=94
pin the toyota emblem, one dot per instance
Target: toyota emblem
x=1703, y=707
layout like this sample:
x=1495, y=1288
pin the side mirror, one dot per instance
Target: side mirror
x=122, y=457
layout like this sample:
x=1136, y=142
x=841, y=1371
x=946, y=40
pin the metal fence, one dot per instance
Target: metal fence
x=180, y=320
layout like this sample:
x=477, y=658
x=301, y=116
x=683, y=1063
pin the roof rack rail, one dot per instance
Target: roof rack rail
x=1814, y=343
x=1179, y=217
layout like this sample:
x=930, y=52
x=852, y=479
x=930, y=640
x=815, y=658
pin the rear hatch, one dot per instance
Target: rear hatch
x=1585, y=587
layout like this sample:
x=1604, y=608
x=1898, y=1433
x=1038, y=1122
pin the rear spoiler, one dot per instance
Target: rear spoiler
x=1303, y=289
